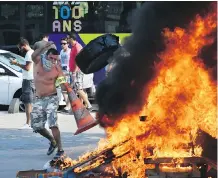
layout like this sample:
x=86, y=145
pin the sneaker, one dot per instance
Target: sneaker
x=65, y=111
x=59, y=154
x=26, y=126
x=51, y=148
x=90, y=109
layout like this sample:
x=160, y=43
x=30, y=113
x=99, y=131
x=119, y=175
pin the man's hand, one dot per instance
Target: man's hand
x=59, y=68
x=60, y=74
x=73, y=77
x=13, y=61
x=76, y=69
x=49, y=44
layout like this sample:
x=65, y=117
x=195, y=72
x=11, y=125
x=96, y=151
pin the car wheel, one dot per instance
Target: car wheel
x=21, y=105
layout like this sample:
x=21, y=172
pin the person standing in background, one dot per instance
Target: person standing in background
x=88, y=85
x=65, y=57
x=65, y=54
x=44, y=40
x=28, y=83
x=76, y=73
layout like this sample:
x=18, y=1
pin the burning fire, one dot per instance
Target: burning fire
x=175, y=168
x=181, y=99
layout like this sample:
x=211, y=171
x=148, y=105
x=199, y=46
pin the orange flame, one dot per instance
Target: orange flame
x=181, y=99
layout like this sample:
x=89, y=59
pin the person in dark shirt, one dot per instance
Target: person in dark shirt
x=44, y=41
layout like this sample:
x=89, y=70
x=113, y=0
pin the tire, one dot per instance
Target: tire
x=94, y=56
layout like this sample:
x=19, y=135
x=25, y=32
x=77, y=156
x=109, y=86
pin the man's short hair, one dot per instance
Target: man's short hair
x=72, y=35
x=23, y=42
x=64, y=39
x=52, y=51
x=43, y=35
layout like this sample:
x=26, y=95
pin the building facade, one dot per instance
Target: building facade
x=30, y=19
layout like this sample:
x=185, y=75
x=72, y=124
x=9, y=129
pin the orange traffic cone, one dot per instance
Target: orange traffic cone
x=84, y=119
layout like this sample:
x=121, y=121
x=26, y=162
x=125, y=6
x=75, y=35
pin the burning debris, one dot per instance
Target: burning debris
x=91, y=160
x=98, y=164
x=142, y=118
x=176, y=93
x=179, y=167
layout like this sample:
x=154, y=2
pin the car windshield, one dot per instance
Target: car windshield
x=5, y=58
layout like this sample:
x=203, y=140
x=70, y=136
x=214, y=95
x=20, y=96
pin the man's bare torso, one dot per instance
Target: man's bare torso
x=44, y=81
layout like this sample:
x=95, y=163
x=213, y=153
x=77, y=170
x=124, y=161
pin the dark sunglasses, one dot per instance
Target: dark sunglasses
x=63, y=43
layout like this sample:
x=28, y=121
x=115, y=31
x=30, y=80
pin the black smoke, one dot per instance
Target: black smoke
x=121, y=92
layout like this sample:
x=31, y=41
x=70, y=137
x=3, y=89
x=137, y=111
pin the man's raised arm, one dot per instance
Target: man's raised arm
x=39, y=51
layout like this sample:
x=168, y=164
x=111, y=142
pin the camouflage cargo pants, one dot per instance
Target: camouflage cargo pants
x=44, y=109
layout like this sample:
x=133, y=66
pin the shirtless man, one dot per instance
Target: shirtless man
x=47, y=69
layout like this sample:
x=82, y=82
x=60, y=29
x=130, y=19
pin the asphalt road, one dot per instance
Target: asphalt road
x=25, y=150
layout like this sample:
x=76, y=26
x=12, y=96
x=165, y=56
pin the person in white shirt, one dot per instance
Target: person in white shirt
x=65, y=57
x=27, y=84
x=65, y=54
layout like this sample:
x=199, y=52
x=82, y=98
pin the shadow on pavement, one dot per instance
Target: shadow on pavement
x=25, y=150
